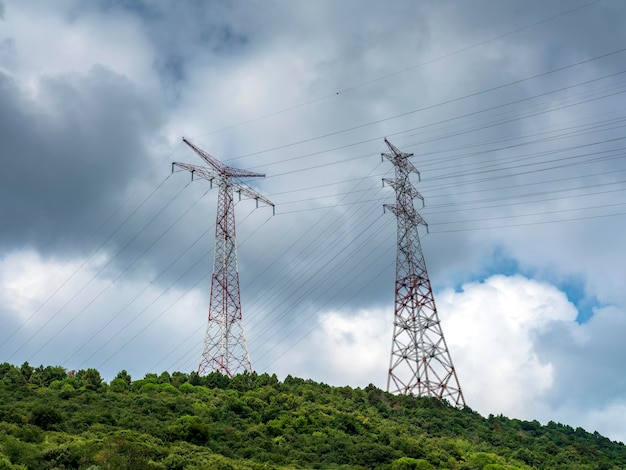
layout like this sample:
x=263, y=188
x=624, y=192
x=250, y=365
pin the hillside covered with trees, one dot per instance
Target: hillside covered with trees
x=52, y=419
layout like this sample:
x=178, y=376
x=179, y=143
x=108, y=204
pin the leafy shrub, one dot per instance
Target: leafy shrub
x=149, y=387
x=407, y=463
x=169, y=388
x=46, y=417
x=118, y=386
x=190, y=429
x=66, y=391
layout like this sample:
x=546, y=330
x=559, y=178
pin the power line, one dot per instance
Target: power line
x=458, y=133
x=81, y=266
x=550, y=221
x=442, y=103
x=412, y=67
x=74, y=317
x=148, y=285
x=159, y=315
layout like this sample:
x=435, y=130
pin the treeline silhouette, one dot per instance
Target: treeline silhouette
x=54, y=419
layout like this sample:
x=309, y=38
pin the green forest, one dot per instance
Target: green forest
x=51, y=418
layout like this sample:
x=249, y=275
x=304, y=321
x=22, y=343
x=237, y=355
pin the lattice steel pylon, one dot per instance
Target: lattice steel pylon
x=420, y=361
x=225, y=348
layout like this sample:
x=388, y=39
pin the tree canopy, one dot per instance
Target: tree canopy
x=54, y=419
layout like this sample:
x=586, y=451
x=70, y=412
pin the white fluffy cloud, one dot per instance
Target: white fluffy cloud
x=73, y=42
x=491, y=327
x=40, y=299
x=348, y=349
x=515, y=343
x=519, y=351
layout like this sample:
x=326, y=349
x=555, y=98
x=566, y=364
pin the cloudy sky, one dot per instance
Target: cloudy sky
x=514, y=111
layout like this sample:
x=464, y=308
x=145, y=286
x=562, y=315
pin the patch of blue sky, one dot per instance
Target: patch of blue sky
x=502, y=263
x=498, y=263
x=574, y=289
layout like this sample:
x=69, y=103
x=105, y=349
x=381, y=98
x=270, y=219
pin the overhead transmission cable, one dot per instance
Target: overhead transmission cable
x=436, y=105
x=349, y=251
x=90, y=256
x=523, y=224
x=172, y=284
x=250, y=313
x=429, y=162
x=311, y=270
x=148, y=285
x=412, y=67
x=311, y=232
x=153, y=320
x=364, y=285
x=458, y=117
x=75, y=316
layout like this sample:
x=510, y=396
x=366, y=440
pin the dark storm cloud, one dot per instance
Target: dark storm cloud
x=7, y=52
x=69, y=154
x=199, y=34
x=593, y=350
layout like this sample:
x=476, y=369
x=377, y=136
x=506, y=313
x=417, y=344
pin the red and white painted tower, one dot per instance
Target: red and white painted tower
x=225, y=347
x=420, y=361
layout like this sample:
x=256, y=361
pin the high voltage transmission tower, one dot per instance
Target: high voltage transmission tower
x=225, y=348
x=420, y=362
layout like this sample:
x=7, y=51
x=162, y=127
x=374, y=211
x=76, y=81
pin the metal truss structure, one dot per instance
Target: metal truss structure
x=420, y=362
x=225, y=347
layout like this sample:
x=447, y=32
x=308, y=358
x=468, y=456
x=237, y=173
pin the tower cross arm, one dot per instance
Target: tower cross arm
x=402, y=162
x=238, y=173
x=402, y=212
x=393, y=148
x=200, y=171
x=404, y=188
x=400, y=159
x=211, y=160
x=219, y=167
x=244, y=189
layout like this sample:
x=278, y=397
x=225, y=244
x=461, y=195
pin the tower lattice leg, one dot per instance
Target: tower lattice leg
x=225, y=348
